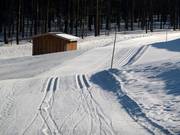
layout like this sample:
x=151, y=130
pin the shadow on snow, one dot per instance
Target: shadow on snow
x=169, y=73
x=108, y=82
x=173, y=45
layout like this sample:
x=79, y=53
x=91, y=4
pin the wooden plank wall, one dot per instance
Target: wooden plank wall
x=71, y=46
x=51, y=44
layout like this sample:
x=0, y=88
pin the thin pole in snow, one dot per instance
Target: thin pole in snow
x=114, y=47
x=166, y=35
x=167, y=28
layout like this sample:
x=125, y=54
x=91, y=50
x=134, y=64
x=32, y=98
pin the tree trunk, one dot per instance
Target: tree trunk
x=97, y=31
x=18, y=21
x=5, y=36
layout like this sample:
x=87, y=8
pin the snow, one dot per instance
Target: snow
x=25, y=48
x=18, y=104
x=161, y=51
x=30, y=66
x=14, y=51
x=69, y=37
x=76, y=93
x=155, y=87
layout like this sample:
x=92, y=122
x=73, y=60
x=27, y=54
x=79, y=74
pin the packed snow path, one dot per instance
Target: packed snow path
x=65, y=105
x=49, y=125
x=82, y=61
x=98, y=59
x=88, y=116
x=73, y=98
x=87, y=110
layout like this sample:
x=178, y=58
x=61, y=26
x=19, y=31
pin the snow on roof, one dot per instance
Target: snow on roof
x=67, y=36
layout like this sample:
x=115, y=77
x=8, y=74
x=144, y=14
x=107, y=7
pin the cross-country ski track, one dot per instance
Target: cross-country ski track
x=74, y=97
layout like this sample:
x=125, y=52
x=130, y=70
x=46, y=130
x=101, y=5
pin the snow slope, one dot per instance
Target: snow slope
x=99, y=58
x=76, y=93
x=153, y=82
x=155, y=88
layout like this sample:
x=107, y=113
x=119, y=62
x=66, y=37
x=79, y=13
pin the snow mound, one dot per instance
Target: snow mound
x=161, y=51
x=155, y=87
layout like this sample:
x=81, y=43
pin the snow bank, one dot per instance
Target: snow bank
x=155, y=87
x=15, y=51
x=161, y=51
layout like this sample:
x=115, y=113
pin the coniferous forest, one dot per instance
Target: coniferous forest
x=20, y=19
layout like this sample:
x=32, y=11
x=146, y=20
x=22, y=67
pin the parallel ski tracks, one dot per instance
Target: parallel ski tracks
x=127, y=56
x=49, y=126
x=99, y=121
x=96, y=113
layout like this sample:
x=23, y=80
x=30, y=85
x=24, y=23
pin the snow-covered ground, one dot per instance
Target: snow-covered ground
x=74, y=93
x=25, y=48
x=13, y=51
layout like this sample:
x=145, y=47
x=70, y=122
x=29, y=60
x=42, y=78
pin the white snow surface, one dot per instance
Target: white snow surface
x=75, y=93
x=13, y=51
x=69, y=37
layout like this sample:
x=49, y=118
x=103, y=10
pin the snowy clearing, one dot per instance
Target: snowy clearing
x=74, y=93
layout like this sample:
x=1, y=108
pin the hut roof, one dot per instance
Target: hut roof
x=67, y=36
x=60, y=35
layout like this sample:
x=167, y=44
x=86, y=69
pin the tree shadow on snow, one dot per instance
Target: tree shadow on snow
x=172, y=80
x=173, y=45
x=106, y=80
x=171, y=77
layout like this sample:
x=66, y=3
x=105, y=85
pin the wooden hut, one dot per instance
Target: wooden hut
x=53, y=42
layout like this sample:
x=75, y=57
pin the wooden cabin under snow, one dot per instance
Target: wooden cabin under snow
x=53, y=42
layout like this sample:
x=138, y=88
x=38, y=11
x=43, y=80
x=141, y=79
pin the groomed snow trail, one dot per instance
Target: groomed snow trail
x=91, y=112
x=49, y=125
x=79, y=111
x=88, y=112
x=71, y=103
x=98, y=59
x=128, y=56
x=19, y=100
x=98, y=117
